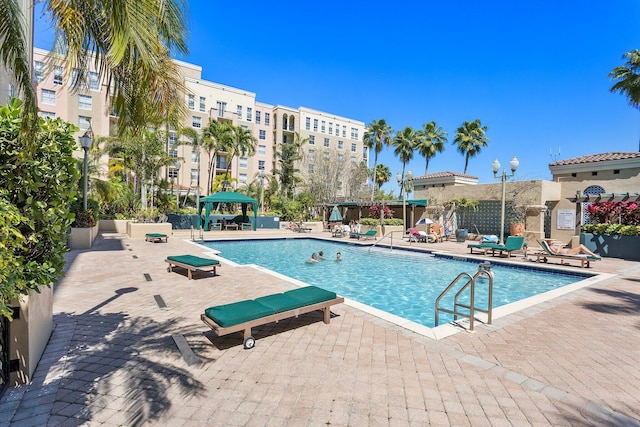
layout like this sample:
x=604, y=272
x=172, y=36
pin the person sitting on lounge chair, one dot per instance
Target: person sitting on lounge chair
x=561, y=250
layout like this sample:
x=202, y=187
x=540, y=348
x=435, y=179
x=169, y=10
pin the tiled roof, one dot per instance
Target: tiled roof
x=444, y=174
x=594, y=158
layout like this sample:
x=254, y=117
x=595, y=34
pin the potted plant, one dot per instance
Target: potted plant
x=462, y=205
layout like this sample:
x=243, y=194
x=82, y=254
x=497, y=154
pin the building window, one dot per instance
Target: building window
x=344, y=131
x=307, y=123
x=261, y=165
x=196, y=122
x=311, y=168
x=47, y=114
x=339, y=185
x=84, y=102
x=94, y=83
x=340, y=145
x=315, y=125
x=325, y=155
x=245, y=127
x=353, y=160
x=194, y=157
x=354, y=147
x=312, y=139
x=203, y=104
x=173, y=154
x=322, y=127
x=38, y=70
x=239, y=112
x=262, y=134
x=58, y=73
x=257, y=117
x=267, y=118
x=48, y=97
x=340, y=157
x=173, y=173
x=262, y=150
x=249, y=114
x=10, y=91
x=194, y=175
x=326, y=142
x=365, y=150
x=312, y=154
x=84, y=122
x=221, y=106
x=243, y=162
x=242, y=178
x=191, y=102
x=331, y=128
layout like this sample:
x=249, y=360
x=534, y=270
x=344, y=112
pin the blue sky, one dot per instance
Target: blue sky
x=535, y=73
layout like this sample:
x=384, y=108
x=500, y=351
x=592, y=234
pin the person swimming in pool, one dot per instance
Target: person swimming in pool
x=314, y=258
x=338, y=257
x=320, y=255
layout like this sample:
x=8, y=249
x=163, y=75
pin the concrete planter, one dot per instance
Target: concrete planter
x=82, y=238
x=113, y=225
x=29, y=333
x=613, y=245
x=140, y=229
x=386, y=229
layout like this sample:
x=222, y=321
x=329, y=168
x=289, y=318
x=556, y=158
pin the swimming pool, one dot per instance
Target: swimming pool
x=401, y=282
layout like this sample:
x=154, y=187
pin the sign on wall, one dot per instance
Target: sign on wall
x=566, y=219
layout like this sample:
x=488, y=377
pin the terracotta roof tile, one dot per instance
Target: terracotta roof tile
x=444, y=174
x=594, y=158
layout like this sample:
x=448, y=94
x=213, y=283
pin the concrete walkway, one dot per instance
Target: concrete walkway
x=121, y=320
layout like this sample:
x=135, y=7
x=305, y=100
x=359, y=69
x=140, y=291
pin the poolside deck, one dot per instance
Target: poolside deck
x=113, y=358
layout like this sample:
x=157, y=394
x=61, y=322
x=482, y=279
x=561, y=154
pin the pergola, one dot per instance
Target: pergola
x=226, y=197
x=605, y=197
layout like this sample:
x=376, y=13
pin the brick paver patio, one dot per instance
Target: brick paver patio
x=113, y=357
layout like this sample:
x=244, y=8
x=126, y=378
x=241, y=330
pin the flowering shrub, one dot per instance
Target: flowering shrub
x=625, y=213
x=374, y=212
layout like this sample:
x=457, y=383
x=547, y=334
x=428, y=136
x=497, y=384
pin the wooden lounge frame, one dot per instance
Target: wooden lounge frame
x=585, y=261
x=191, y=268
x=156, y=237
x=245, y=327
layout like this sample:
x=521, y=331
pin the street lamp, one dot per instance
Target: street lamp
x=262, y=175
x=403, y=183
x=85, y=142
x=495, y=166
x=177, y=165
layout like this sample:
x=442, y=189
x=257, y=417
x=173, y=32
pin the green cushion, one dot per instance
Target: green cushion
x=156, y=235
x=311, y=295
x=238, y=312
x=194, y=261
x=281, y=302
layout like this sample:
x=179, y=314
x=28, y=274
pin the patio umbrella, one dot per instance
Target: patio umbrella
x=335, y=215
x=424, y=221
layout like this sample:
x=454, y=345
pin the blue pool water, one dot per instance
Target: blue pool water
x=401, y=282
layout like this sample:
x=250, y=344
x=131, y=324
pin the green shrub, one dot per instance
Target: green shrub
x=370, y=222
x=393, y=221
x=626, y=230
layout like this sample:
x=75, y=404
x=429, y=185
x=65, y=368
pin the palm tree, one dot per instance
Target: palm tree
x=377, y=136
x=289, y=155
x=431, y=140
x=628, y=78
x=382, y=175
x=405, y=143
x=241, y=143
x=471, y=138
x=217, y=137
x=128, y=42
x=197, y=141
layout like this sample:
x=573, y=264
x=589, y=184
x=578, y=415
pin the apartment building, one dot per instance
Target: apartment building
x=8, y=87
x=205, y=100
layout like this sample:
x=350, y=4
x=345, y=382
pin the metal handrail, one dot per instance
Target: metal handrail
x=200, y=234
x=471, y=284
x=390, y=235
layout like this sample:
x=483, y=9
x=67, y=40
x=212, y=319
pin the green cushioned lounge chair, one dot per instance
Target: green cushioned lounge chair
x=156, y=237
x=244, y=315
x=364, y=236
x=513, y=244
x=191, y=263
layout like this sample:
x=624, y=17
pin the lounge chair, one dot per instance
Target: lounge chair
x=513, y=244
x=547, y=254
x=415, y=236
x=156, y=237
x=364, y=236
x=244, y=315
x=191, y=263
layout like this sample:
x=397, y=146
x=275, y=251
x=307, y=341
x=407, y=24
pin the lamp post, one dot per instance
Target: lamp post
x=495, y=166
x=85, y=142
x=262, y=175
x=402, y=182
x=177, y=165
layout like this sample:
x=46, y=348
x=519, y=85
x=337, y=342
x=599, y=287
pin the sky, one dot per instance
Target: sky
x=536, y=73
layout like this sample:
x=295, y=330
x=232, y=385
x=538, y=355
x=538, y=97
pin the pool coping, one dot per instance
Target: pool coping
x=448, y=329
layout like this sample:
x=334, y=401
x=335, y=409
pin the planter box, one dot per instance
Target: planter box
x=140, y=229
x=113, y=225
x=82, y=238
x=613, y=245
x=386, y=229
x=29, y=333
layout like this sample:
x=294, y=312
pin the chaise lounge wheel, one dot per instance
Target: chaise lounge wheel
x=249, y=343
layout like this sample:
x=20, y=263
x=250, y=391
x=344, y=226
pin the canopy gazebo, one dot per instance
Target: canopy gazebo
x=226, y=197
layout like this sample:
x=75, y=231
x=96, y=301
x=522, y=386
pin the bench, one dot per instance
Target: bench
x=191, y=263
x=244, y=315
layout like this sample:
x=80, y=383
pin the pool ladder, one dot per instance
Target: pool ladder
x=484, y=271
x=197, y=234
